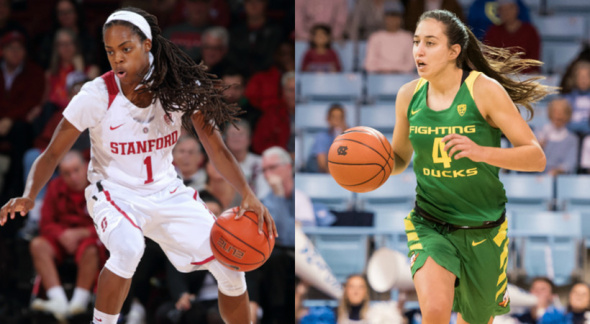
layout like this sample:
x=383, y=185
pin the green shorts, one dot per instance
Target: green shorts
x=477, y=257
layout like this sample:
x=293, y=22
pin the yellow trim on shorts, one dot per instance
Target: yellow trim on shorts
x=417, y=246
x=502, y=289
x=409, y=225
x=503, y=266
x=501, y=233
x=413, y=236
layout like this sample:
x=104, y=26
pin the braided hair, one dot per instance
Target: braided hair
x=178, y=82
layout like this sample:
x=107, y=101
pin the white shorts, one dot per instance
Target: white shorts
x=175, y=218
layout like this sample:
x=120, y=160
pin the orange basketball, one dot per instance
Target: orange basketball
x=236, y=243
x=360, y=159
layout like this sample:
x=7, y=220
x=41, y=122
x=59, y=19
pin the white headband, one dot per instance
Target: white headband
x=133, y=18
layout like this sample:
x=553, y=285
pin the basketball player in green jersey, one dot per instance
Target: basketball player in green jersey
x=452, y=117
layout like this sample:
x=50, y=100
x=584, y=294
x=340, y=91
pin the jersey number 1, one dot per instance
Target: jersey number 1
x=148, y=165
x=439, y=155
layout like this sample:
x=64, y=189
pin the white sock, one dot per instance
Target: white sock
x=102, y=318
x=57, y=292
x=81, y=296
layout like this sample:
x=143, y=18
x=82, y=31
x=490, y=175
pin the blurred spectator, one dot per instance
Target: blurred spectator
x=354, y=304
x=68, y=15
x=47, y=122
x=484, y=13
x=188, y=34
x=7, y=24
x=544, y=311
x=66, y=58
x=560, y=145
x=585, y=155
x=567, y=82
x=67, y=230
x=264, y=88
x=327, y=12
x=254, y=40
x=318, y=160
x=194, y=295
x=272, y=286
x=514, y=33
x=415, y=8
x=194, y=298
x=320, y=57
x=235, y=93
x=188, y=159
x=238, y=143
x=212, y=203
x=579, y=98
x=367, y=18
x=214, y=46
x=21, y=91
x=172, y=12
x=301, y=289
x=275, y=127
x=390, y=50
x=578, y=309
x=221, y=188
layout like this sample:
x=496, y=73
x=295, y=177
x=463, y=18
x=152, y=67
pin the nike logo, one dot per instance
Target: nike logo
x=97, y=319
x=477, y=243
x=173, y=191
x=415, y=111
x=113, y=128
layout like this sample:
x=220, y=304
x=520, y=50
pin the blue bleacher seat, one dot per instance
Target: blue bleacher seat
x=573, y=195
x=568, y=6
x=331, y=86
x=528, y=192
x=549, y=242
x=345, y=51
x=558, y=55
x=384, y=87
x=380, y=117
x=321, y=187
x=346, y=254
x=560, y=27
x=313, y=116
x=300, y=49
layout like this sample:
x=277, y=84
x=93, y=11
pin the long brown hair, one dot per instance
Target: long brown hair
x=345, y=306
x=178, y=82
x=497, y=63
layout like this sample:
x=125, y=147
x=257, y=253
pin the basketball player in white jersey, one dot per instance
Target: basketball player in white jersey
x=135, y=113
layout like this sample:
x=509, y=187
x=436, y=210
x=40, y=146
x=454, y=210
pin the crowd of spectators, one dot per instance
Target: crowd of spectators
x=48, y=50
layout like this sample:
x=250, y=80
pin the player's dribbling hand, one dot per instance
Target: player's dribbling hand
x=464, y=147
x=14, y=205
x=251, y=203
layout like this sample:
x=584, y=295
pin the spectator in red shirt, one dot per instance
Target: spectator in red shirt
x=320, y=57
x=21, y=92
x=275, y=126
x=66, y=230
x=513, y=32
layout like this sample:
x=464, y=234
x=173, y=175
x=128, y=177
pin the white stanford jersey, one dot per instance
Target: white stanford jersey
x=131, y=146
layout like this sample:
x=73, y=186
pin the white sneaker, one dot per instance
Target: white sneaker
x=58, y=308
x=136, y=314
x=76, y=308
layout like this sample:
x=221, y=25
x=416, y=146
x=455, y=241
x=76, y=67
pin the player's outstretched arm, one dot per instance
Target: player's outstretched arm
x=63, y=138
x=402, y=147
x=228, y=167
x=498, y=109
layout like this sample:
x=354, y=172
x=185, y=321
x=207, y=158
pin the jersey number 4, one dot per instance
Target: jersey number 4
x=148, y=165
x=439, y=155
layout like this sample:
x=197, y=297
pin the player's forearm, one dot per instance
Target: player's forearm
x=39, y=175
x=229, y=168
x=399, y=165
x=527, y=158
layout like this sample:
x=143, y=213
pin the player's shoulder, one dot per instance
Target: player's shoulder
x=407, y=90
x=485, y=85
x=95, y=89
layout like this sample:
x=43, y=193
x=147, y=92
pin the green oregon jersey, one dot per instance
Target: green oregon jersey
x=461, y=192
